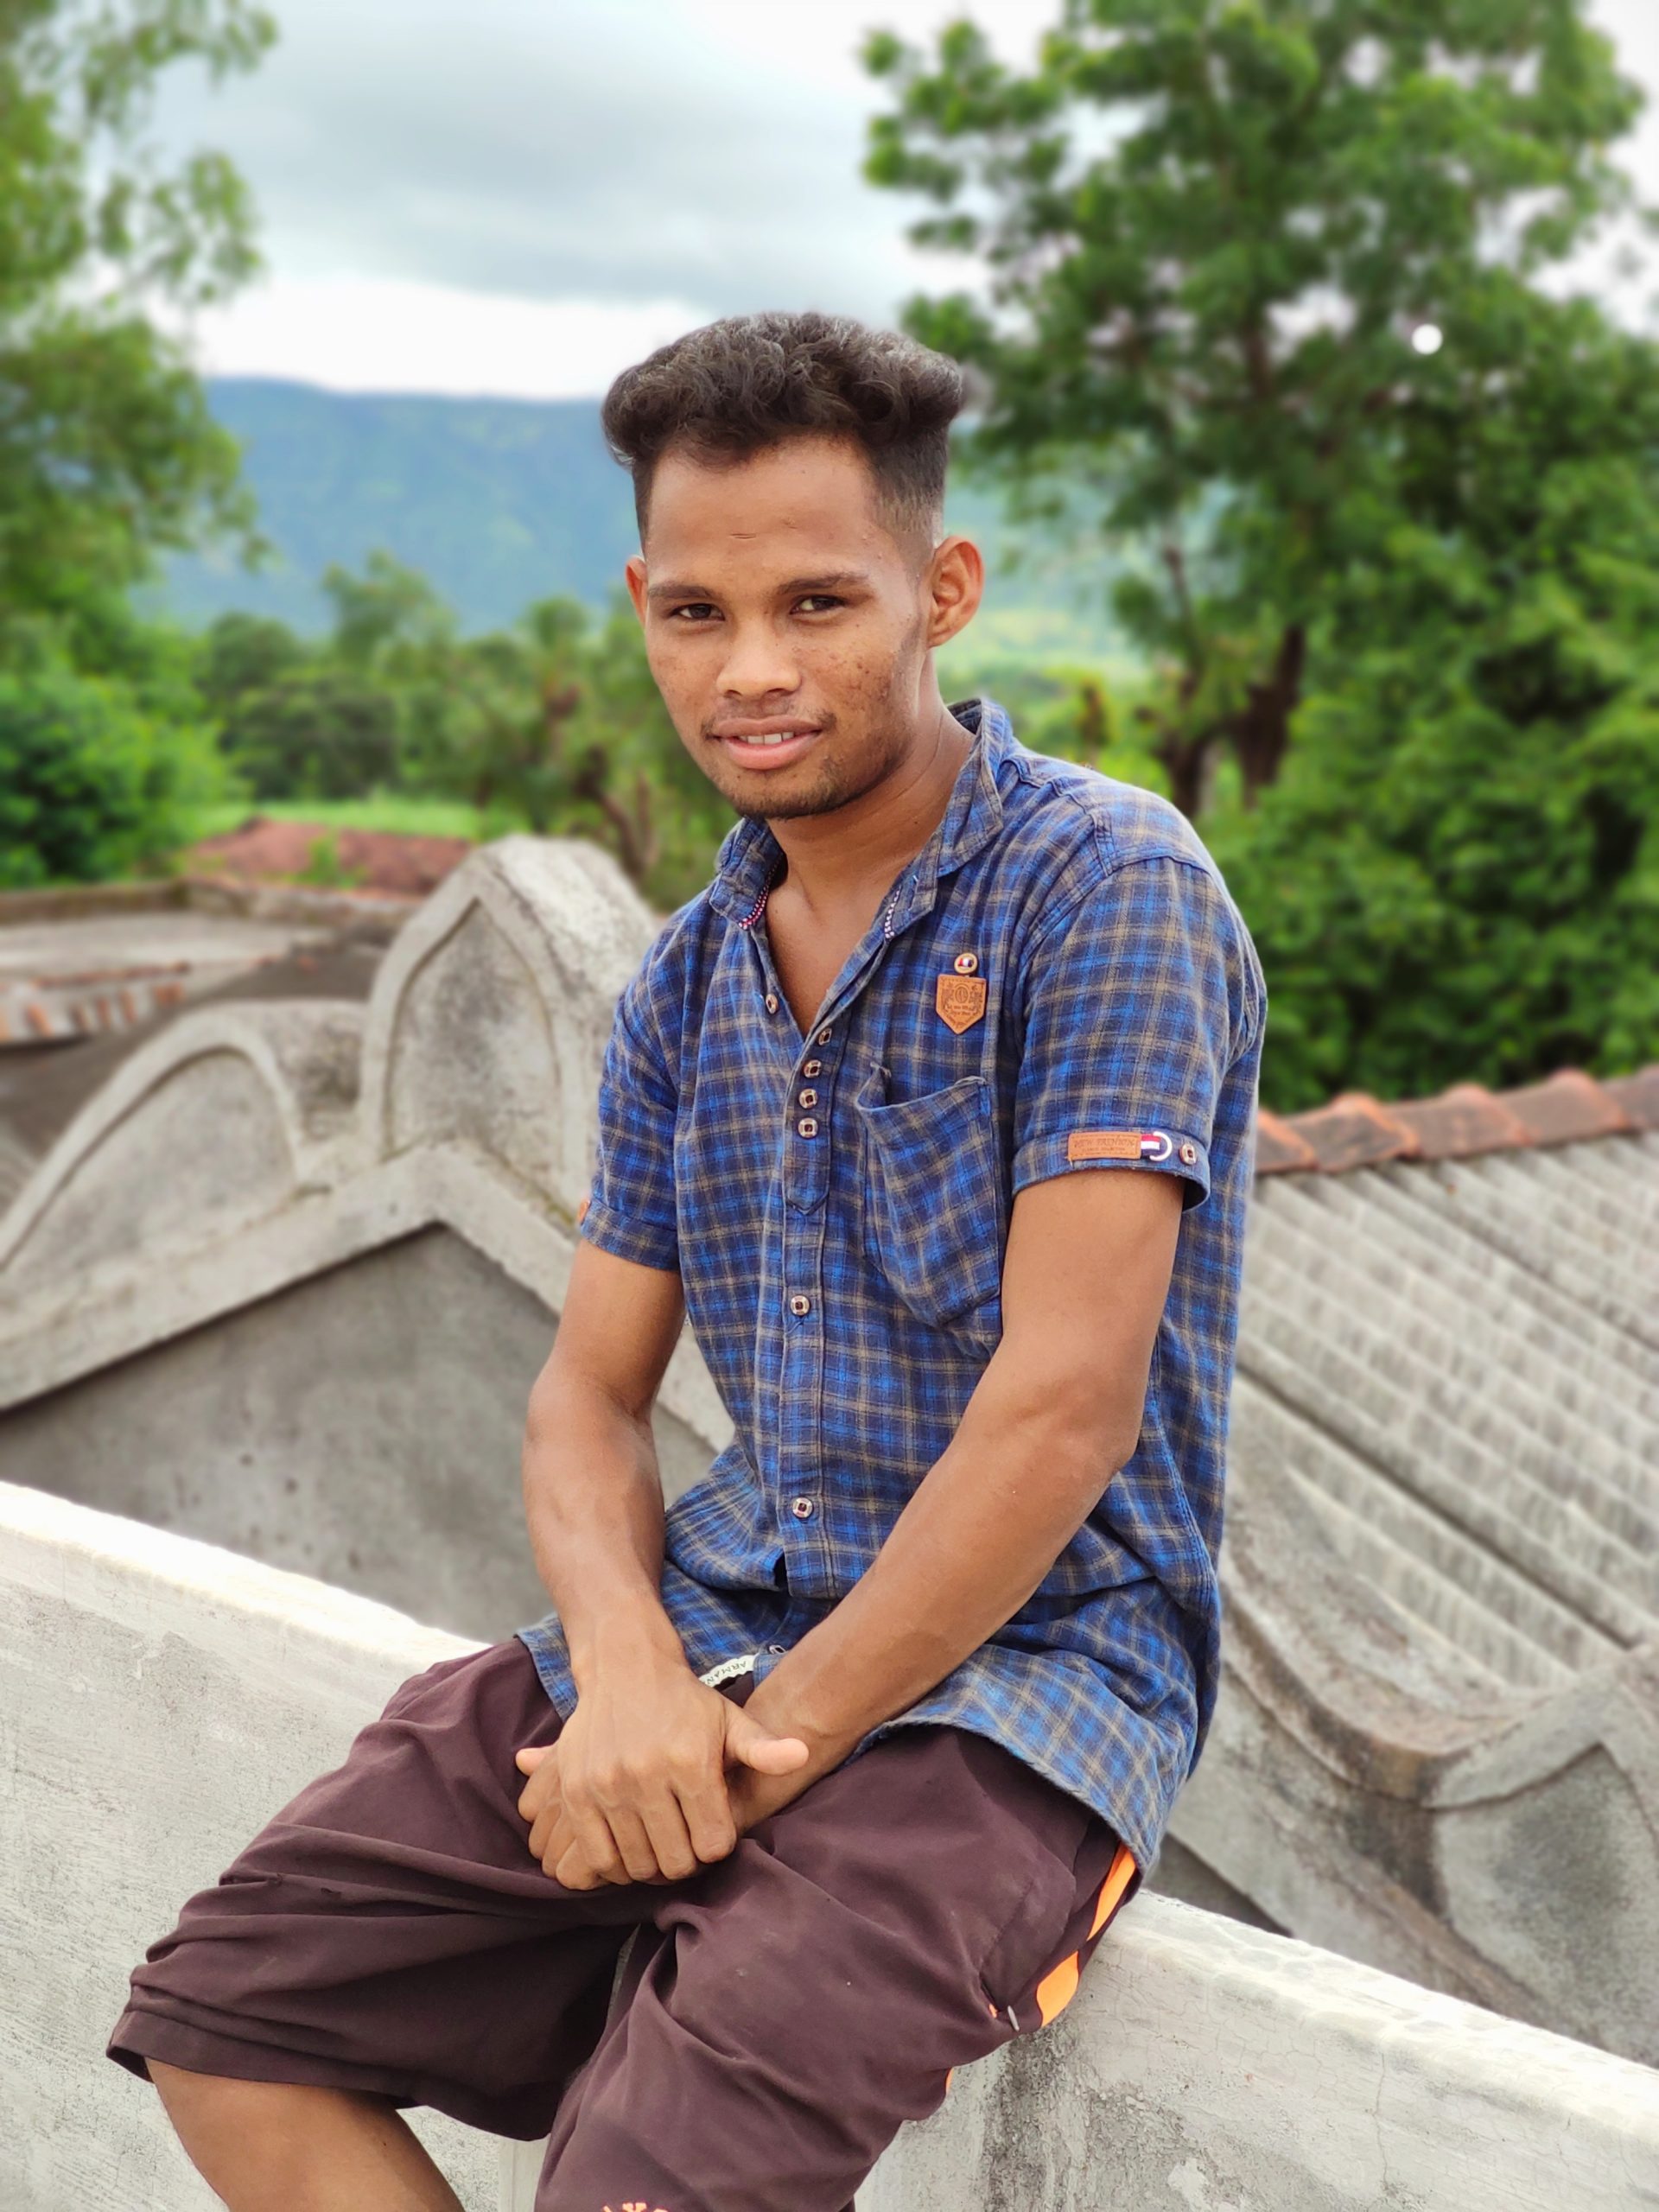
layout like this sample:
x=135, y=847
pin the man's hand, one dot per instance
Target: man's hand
x=635, y=1789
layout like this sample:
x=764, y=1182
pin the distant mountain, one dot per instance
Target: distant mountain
x=500, y=502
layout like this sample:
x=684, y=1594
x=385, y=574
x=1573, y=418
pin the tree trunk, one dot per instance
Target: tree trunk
x=1184, y=759
x=1261, y=732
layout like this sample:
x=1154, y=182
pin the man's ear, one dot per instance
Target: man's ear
x=634, y=573
x=955, y=584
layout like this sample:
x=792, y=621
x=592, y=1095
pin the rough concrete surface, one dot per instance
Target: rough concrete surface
x=299, y=1430
x=160, y=1698
x=1206, y=2067
x=83, y=974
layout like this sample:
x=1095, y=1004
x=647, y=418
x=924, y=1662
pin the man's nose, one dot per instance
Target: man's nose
x=759, y=665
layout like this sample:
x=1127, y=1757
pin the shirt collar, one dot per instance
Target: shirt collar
x=750, y=856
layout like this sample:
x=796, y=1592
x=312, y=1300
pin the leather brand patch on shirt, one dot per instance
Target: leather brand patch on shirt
x=959, y=1000
x=1103, y=1144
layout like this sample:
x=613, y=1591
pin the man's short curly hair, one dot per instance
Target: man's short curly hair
x=750, y=382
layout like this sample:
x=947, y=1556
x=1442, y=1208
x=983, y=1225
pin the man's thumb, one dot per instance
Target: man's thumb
x=531, y=1757
x=749, y=1744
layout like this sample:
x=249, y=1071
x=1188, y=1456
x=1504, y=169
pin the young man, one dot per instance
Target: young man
x=933, y=1113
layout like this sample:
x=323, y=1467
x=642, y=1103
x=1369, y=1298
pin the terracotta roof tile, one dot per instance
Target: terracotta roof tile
x=1637, y=1096
x=1354, y=1131
x=1566, y=1107
x=1278, y=1147
x=1460, y=1123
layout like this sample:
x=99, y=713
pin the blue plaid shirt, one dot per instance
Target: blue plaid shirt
x=1057, y=984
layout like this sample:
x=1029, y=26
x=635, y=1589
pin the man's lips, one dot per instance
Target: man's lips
x=765, y=744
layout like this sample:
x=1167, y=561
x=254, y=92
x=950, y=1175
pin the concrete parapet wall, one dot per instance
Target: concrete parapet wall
x=159, y=1699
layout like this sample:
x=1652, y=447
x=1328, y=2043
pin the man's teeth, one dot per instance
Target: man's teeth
x=773, y=737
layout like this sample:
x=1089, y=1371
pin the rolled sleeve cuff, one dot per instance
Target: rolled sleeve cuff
x=1156, y=1150
x=648, y=1244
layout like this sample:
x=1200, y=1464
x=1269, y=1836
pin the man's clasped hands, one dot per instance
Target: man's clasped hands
x=655, y=1775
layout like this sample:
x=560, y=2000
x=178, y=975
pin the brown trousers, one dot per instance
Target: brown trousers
x=779, y=2016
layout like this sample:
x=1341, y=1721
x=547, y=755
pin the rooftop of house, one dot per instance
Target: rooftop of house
x=1464, y=1123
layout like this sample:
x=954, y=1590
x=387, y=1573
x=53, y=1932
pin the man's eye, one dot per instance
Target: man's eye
x=818, y=602
x=696, y=610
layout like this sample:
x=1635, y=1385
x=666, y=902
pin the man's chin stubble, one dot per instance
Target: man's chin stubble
x=833, y=789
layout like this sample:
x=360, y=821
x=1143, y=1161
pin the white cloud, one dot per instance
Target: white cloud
x=380, y=334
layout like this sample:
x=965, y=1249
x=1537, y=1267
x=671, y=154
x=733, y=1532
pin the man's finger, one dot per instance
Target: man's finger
x=669, y=1840
x=750, y=1745
x=531, y=1757
x=634, y=1845
x=595, y=1849
x=708, y=1814
x=573, y=1872
x=544, y=1789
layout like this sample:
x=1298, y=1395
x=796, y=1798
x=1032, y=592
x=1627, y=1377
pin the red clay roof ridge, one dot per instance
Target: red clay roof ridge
x=1356, y=1131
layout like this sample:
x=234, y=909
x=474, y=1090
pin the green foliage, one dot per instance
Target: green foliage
x=1458, y=876
x=242, y=653
x=554, y=723
x=325, y=868
x=107, y=449
x=561, y=720
x=91, y=786
x=314, y=733
x=1212, y=228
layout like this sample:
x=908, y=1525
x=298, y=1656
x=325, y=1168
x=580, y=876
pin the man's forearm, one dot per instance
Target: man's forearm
x=1025, y=1470
x=594, y=1503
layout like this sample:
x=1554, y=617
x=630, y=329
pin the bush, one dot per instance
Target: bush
x=314, y=733
x=90, y=785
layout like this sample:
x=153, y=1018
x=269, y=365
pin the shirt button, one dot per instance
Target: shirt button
x=772, y=1002
x=807, y=1126
x=824, y=1034
x=776, y=1649
x=808, y=1097
x=802, y=1507
x=799, y=1304
x=811, y=1067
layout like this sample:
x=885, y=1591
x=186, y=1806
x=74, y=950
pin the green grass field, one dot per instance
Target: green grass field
x=407, y=814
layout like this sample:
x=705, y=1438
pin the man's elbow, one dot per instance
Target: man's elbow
x=1089, y=1424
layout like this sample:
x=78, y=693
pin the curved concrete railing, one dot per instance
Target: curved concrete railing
x=160, y=1698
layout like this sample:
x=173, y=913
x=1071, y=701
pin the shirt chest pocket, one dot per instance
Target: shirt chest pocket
x=934, y=1206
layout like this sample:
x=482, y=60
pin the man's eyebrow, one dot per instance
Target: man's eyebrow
x=796, y=588
x=831, y=580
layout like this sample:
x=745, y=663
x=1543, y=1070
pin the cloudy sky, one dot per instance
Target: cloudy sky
x=521, y=196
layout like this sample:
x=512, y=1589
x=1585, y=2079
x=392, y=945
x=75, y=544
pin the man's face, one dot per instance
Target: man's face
x=787, y=628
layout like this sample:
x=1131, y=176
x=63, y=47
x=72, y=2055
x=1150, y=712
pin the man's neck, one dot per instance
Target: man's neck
x=834, y=859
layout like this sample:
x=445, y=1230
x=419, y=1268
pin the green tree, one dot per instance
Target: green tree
x=107, y=450
x=386, y=618
x=1397, y=597
x=91, y=786
x=241, y=653
x=313, y=732
x=1457, y=875
x=1211, y=230
x=558, y=722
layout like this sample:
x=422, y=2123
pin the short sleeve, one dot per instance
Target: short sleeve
x=1137, y=1002
x=630, y=1209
